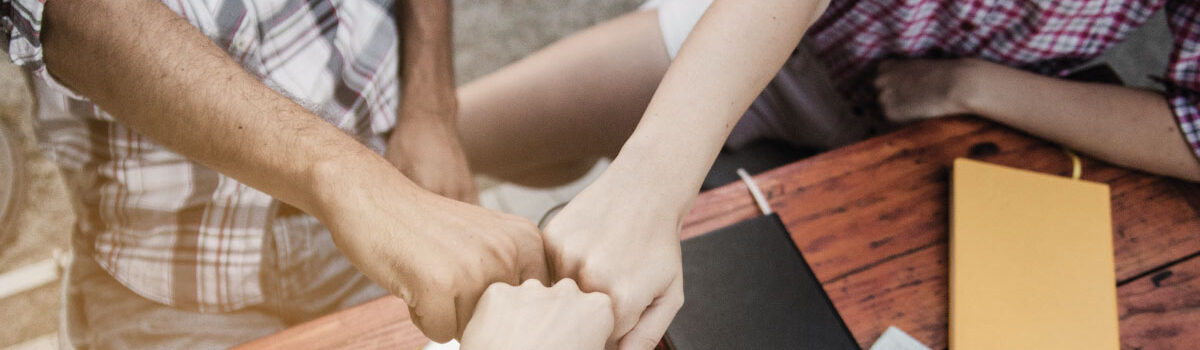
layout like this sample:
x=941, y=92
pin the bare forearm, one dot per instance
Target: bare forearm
x=732, y=53
x=426, y=58
x=160, y=76
x=1126, y=126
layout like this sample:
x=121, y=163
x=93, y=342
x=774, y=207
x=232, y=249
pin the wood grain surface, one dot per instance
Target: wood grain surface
x=872, y=219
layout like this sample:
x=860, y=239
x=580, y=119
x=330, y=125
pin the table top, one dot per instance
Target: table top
x=871, y=219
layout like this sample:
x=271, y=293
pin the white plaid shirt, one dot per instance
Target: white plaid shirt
x=169, y=229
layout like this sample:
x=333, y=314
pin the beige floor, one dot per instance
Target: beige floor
x=43, y=222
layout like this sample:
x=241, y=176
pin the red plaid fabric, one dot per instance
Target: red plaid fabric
x=1043, y=36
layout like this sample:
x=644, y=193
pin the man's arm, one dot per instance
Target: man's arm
x=1127, y=126
x=425, y=143
x=620, y=235
x=426, y=57
x=164, y=79
x=161, y=77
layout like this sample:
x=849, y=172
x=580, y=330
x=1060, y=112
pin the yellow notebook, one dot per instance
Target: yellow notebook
x=1031, y=261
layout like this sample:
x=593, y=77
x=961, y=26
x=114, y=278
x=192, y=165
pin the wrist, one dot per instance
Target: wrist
x=346, y=184
x=427, y=117
x=649, y=184
x=424, y=122
x=972, y=77
x=429, y=102
x=363, y=201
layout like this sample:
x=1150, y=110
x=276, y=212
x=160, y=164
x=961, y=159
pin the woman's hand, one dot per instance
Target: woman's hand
x=531, y=317
x=618, y=241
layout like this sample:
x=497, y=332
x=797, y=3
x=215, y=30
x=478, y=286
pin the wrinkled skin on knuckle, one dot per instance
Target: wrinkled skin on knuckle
x=597, y=302
x=595, y=274
x=570, y=259
x=496, y=290
x=628, y=306
x=566, y=285
x=502, y=261
x=531, y=284
x=440, y=284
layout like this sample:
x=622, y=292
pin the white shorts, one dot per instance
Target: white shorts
x=800, y=106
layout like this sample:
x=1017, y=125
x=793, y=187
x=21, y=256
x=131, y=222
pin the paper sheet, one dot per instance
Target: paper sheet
x=895, y=339
x=451, y=345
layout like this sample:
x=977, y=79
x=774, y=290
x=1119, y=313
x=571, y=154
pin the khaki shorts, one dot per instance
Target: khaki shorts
x=304, y=276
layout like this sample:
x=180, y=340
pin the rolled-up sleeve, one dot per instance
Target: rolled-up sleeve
x=21, y=21
x=1183, y=73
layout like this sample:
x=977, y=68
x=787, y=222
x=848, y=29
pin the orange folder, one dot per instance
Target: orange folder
x=1031, y=261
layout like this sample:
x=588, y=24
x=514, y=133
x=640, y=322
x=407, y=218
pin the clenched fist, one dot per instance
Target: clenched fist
x=532, y=317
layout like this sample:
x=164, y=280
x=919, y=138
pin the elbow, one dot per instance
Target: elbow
x=1188, y=170
x=1191, y=177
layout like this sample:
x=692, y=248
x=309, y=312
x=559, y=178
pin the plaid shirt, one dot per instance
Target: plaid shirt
x=184, y=235
x=170, y=229
x=1043, y=36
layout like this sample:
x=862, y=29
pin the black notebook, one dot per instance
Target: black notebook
x=748, y=287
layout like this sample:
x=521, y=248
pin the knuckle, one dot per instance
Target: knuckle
x=598, y=301
x=593, y=270
x=566, y=285
x=626, y=301
x=643, y=342
x=532, y=283
x=495, y=288
x=440, y=283
x=519, y=223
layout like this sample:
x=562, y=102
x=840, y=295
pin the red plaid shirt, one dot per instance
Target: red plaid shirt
x=1043, y=36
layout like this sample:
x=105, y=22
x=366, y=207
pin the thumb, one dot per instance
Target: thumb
x=655, y=320
x=533, y=262
x=436, y=317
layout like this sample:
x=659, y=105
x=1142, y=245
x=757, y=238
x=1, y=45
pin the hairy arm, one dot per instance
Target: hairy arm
x=161, y=77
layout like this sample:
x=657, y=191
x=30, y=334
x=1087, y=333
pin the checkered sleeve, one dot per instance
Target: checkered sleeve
x=21, y=21
x=1183, y=73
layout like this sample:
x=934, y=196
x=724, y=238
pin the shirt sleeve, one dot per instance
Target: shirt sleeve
x=21, y=21
x=1182, y=79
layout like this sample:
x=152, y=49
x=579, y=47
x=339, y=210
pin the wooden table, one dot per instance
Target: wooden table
x=872, y=219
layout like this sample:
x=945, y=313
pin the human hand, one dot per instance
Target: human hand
x=437, y=254
x=427, y=150
x=531, y=317
x=925, y=88
x=615, y=240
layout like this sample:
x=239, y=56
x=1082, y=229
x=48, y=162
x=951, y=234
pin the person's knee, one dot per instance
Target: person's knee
x=550, y=175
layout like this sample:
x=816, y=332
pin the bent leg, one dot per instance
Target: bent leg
x=540, y=120
x=100, y=313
